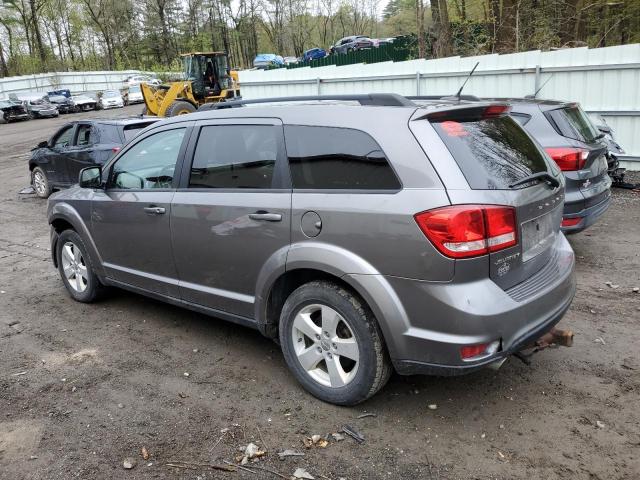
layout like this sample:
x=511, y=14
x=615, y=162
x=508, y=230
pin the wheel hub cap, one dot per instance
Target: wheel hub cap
x=325, y=345
x=74, y=267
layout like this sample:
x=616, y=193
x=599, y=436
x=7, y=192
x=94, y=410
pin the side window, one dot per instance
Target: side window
x=63, y=139
x=337, y=158
x=84, y=136
x=235, y=156
x=150, y=163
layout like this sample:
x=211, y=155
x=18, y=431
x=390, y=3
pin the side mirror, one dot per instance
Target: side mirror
x=43, y=144
x=90, y=177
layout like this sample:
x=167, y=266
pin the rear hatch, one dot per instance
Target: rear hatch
x=491, y=158
x=581, y=153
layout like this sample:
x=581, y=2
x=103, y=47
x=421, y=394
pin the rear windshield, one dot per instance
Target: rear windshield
x=572, y=122
x=131, y=131
x=492, y=153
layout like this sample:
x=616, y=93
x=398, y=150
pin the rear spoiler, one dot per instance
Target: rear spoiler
x=467, y=112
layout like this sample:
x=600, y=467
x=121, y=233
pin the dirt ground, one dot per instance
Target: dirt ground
x=82, y=387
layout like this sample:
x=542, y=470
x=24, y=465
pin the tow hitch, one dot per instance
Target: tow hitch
x=555, y=337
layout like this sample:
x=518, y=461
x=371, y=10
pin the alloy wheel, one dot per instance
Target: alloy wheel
x=40, y=183
x=74, y=267
x=325, y=345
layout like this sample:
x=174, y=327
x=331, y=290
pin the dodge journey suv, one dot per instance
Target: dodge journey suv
x=364, y=235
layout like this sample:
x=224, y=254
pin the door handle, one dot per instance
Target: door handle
x=154, y=210
x=265, y=216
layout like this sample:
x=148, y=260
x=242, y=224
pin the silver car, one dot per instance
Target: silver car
x=365, y=236
x=111, y=99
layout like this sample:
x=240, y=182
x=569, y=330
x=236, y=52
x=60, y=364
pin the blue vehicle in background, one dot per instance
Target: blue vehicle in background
x=313, y=54
x=264, y=61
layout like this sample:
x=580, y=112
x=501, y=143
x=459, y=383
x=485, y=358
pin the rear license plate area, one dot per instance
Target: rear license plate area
x=539, y=233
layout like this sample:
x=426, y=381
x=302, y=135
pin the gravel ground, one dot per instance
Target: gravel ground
x=82, y=387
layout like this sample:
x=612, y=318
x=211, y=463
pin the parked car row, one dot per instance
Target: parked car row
x=26, y=106
x=367, y=234
x=344, y=45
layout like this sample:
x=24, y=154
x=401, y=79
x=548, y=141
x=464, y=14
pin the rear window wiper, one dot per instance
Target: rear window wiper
x=545, y=176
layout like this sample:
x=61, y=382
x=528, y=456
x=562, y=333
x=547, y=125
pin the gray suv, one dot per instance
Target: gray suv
x=568, y=136
x=364, y=235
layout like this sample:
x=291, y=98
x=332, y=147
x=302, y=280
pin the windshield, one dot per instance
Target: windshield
x=492, y=152
x=134, y=89
x=111, y=93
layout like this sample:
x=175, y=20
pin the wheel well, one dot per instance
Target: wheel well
x=285, y=285
x=60, y=225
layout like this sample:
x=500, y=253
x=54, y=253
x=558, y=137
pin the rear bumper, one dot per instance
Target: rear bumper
x=45, y=113
x=588, y=215
x=16, y=116
x=443, y=317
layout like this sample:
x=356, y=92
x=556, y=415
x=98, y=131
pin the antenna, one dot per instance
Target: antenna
x=457, y=95
x=542, y=86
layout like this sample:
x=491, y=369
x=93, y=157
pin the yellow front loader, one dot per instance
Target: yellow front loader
x=207, y=79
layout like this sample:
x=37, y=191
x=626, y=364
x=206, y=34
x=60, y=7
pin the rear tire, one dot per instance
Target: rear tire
x=180, y=107
x=333, y=344
x=76, y=269
x=40, y=183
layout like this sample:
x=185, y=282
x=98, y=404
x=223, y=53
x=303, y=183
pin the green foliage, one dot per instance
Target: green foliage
x=149, y=34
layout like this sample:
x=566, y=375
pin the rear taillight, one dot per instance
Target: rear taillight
x=115, y=150
x=464, y=231
x=568, y=159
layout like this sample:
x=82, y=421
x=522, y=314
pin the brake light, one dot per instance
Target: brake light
x=568, y=159
x=570, y=222
x=495, y=111
x=464, y=231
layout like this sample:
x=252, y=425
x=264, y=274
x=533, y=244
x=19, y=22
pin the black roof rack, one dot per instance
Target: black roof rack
x=471, y=98
x=377, y=99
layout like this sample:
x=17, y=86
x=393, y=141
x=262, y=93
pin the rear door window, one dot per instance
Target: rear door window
x=84, y=135
x=492, y=152
x=236, y=156
x=572, y=122
x=337, y=159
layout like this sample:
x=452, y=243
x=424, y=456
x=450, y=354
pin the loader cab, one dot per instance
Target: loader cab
x=208, y=72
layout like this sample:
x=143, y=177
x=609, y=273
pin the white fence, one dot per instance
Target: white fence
x=74, y=81
x=603, y=80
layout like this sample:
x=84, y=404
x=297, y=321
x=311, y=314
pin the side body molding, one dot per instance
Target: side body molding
x=370, y=284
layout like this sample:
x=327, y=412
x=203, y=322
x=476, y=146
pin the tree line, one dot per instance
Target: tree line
x=60, y=35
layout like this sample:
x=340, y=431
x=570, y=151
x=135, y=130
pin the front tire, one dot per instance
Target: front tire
x=75, y=268
x=333, y=344
x=40, y=183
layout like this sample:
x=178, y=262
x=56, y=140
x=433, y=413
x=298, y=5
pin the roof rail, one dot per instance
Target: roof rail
x=377, y=99
x=471, y=98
